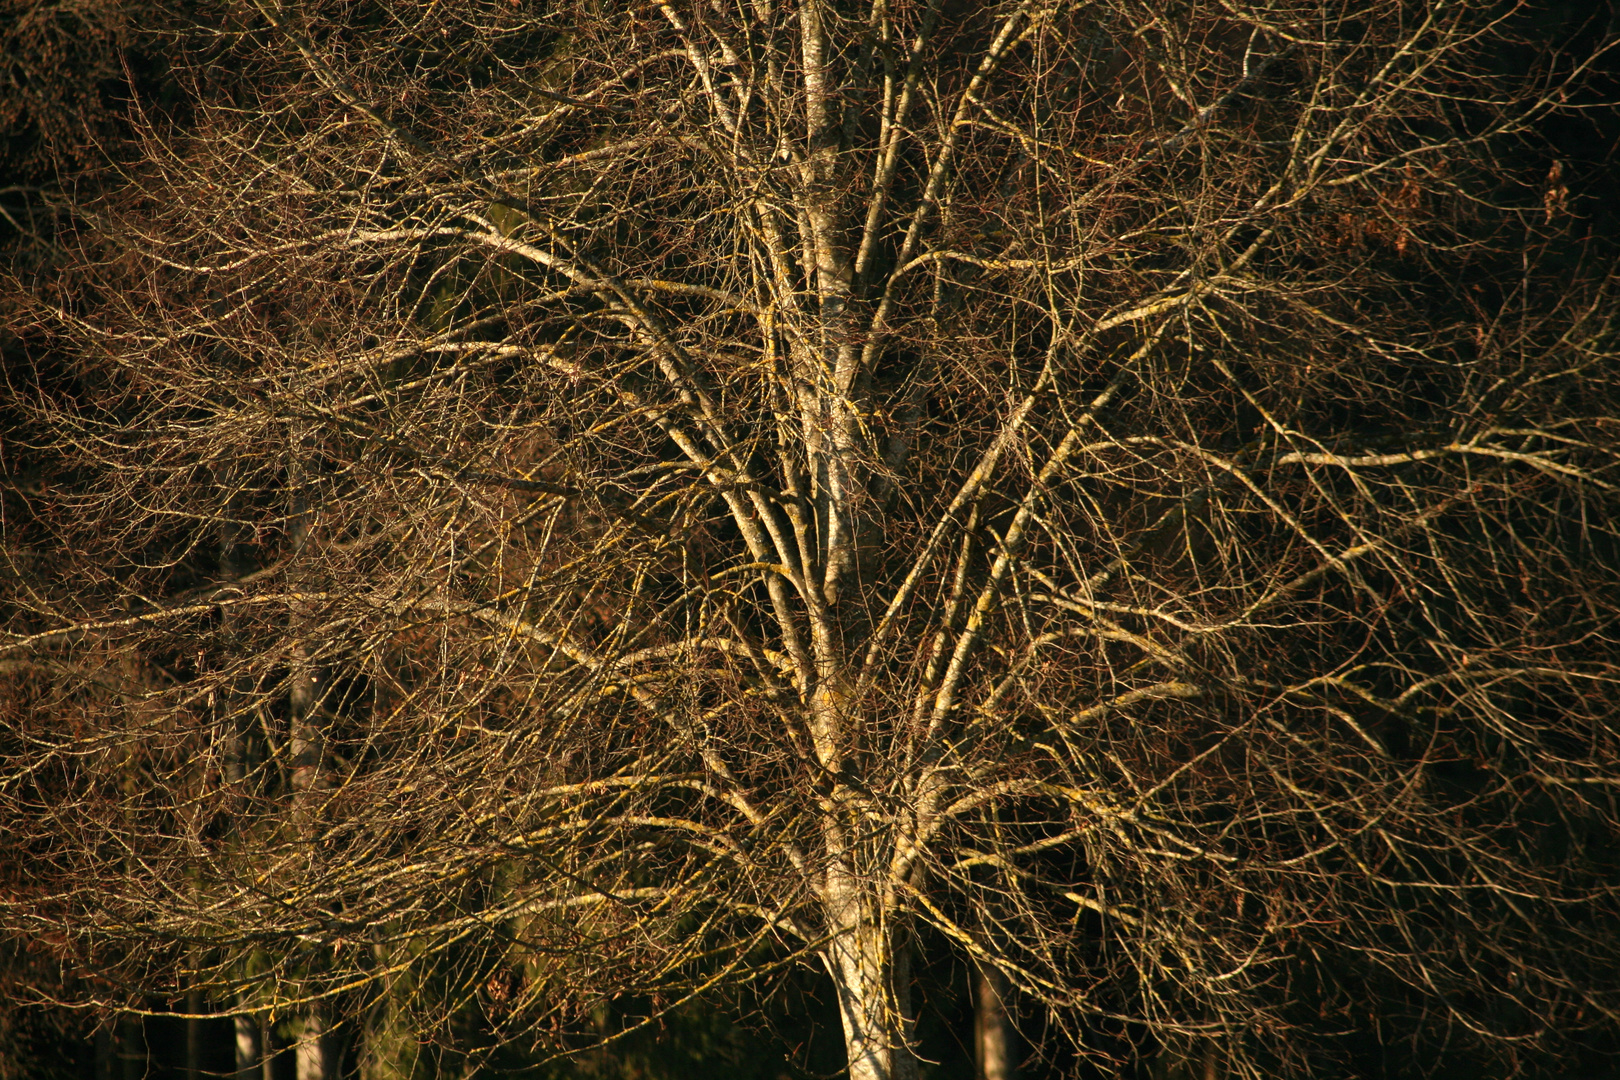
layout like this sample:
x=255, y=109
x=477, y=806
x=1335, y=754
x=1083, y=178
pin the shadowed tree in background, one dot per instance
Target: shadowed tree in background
x=1121, y=491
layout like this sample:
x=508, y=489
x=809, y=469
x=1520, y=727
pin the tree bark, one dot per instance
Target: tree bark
x=130, y=1051
x=623, y=489
x=105, y=1048
x=994, y=1037
x=307, y=743
x=313, y=1054
x=194, y=1037
x=388, y=1047
x=872, y=1002
x=249, y=1045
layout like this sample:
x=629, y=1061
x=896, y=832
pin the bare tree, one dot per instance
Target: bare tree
x=1115, y=490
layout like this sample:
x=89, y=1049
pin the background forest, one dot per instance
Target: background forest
x=894, y=539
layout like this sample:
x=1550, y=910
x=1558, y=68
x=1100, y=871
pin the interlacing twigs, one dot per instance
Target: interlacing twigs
x=640, y=500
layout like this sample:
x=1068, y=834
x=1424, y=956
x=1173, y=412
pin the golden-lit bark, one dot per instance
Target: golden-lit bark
x=622, y=502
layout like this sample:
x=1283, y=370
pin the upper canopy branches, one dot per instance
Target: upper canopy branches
x=1117, y=489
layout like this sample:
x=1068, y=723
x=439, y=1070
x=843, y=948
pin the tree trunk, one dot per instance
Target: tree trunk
x=313, y=1053
x=249, y=1047
x=105, y=1051
x=129, y=1040
x=388, y=1046
x=251, y=1042
x=994, y=1038
x=307, y=743
x=194, y=1036
x=872, y=1003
